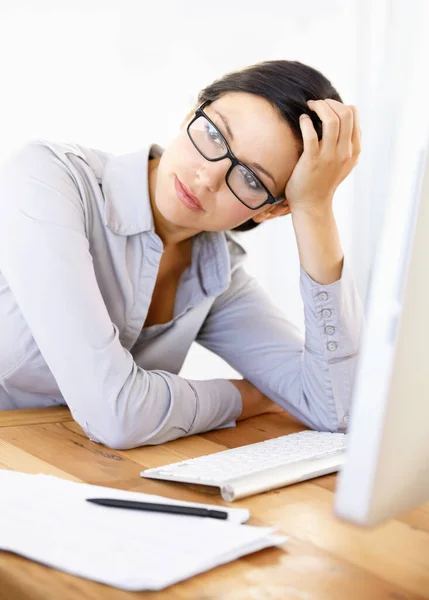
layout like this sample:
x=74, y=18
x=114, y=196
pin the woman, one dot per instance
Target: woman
x=111, y=266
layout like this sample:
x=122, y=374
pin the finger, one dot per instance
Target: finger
x=357, y=132
x=330, y=125
x=346, y=116
x=309, y=136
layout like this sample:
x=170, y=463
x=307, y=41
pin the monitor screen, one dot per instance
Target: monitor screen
x=386, y=470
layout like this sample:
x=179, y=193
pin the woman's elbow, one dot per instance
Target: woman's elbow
x=113, y=434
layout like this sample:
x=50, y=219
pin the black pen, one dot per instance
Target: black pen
x=177, y=509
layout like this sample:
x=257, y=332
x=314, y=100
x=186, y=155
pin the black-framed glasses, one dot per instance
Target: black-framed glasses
x=241, y=180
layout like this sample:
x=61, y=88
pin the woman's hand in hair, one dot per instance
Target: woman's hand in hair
x=324, y=165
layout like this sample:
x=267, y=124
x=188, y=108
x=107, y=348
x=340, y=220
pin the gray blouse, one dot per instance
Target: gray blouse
x=79, y=258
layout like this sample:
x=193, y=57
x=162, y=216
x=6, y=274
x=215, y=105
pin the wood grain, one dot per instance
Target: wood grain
x=323, y=559
x=34, y=416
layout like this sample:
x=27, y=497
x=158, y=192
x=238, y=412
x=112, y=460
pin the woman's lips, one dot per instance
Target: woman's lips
x=185, y=197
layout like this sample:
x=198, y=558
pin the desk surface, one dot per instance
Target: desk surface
x=324, y=559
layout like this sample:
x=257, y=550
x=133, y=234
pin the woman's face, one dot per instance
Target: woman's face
x=259, y=136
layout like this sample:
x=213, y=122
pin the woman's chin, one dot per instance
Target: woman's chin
x=172, y=211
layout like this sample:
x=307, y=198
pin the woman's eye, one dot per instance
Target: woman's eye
x=250, y=181
x=212, y=133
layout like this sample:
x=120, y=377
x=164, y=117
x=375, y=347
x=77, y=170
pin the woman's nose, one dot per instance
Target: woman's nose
x=212, y=174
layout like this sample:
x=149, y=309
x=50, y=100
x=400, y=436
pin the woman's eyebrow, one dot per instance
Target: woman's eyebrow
x=258, y=167
x=253, y=165
x=225, y=122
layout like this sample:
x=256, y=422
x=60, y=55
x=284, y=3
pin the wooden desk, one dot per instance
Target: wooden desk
x=324, y=558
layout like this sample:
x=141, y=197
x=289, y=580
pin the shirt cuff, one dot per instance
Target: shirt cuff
x=333, y=316
x=218, y=405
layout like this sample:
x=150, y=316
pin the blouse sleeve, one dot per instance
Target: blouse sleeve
x=45, y=258
x=310, y=376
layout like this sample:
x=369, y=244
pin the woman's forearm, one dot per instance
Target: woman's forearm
x=319, y=247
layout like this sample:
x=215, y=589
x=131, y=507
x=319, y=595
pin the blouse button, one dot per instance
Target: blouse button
x=332, y=346
x=329, y=329
x=323, y=296
x=326, y=313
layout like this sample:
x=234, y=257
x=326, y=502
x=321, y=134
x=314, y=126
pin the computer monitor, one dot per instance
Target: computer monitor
x=386, y=470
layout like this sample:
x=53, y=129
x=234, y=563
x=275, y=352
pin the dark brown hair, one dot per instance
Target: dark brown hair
x=287, y=85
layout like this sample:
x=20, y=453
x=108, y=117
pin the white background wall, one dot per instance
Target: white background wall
x=114, y=74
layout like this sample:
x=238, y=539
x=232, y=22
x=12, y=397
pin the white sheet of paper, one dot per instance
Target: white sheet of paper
x=47, y=519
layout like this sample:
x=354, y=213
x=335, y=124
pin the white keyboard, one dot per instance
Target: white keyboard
x=259, y=467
